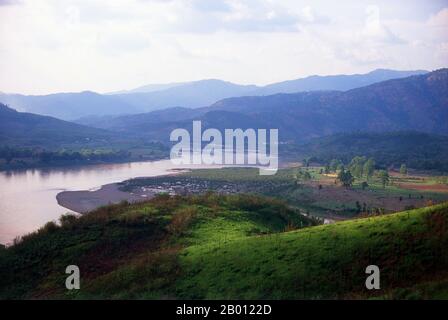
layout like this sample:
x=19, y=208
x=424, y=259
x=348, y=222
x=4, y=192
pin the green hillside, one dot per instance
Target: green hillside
x=238, y=246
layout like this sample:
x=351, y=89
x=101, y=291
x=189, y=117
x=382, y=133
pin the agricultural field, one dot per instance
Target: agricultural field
x=309, y=189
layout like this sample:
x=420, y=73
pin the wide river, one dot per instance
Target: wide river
x=28, y=197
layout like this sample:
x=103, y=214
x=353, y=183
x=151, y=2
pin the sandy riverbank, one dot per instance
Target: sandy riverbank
x=85, y=201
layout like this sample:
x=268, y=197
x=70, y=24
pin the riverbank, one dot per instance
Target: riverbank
x=25, y=165
x=85, y=200
x=28, y=198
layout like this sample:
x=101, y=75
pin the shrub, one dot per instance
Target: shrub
x=68, y=220
x=49, y=227
x=181, y=220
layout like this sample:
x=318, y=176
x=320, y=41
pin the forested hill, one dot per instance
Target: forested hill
x=417, y=103
x=415, y=149
x=27, y=129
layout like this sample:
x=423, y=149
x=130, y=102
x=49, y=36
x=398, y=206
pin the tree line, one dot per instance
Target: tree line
x=361, y=168
x=46, y=156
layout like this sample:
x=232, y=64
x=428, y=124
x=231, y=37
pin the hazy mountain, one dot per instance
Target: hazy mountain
x=205, y=92
x=336, y=82
x=190, y=95
x=141, y=120
x=70, y=106
x=29, y=130
x=414, y=103
x=150, y=88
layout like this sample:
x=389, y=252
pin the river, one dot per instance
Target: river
x=28, y=197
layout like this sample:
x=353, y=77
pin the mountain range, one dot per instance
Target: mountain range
x=23, y=130
x=395, y=121
x=417, y=103
x=71, y=106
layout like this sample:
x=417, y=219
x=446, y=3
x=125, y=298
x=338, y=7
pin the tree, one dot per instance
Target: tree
x=301, y=175
x=403, y=169
x=306, y=162
x=364, y=185
x=357, y=165
x=369, y=168
x=306, y=176
x=357, y=170
x=358, y=207
x=383, y=175
x=335, y=164
x=346, y=178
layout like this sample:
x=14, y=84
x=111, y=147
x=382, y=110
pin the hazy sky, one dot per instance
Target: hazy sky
x=105, y=45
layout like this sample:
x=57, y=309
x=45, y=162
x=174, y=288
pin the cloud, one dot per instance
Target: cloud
x=10, y=2
x=210, y=6
x=440, y=19
x=118, y=43
x=205, y=16
x=442, y=51
x=375, y=29
x=108, y=45
x=243, y=16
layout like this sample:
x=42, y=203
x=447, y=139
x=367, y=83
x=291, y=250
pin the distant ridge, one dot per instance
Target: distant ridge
x=418, y=103
x=337, y=82
x=71, y=106
x=150, y=88
x=31, y=130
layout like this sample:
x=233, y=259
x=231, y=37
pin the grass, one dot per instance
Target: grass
x=132, y=251
x=229, y=247
x=320, y=262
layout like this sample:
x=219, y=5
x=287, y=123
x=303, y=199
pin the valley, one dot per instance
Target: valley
x=363, y=180
x=319, y=194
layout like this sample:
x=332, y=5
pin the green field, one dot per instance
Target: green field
x=235, y=246
x=318, y=194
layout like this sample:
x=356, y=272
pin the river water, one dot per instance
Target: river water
x=28, y=197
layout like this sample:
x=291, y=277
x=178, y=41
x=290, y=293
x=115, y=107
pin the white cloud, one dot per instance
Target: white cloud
x=440, y=19
x=375, y=29
x=9, y=2
x=107, y=45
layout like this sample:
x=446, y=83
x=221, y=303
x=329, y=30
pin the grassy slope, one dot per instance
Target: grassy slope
x=323, y=262
x=228, y=247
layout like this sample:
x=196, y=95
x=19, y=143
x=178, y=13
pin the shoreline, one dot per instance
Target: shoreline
x=73, y=164
x=83, y=201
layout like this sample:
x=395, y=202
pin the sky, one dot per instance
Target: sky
x=49, y=46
